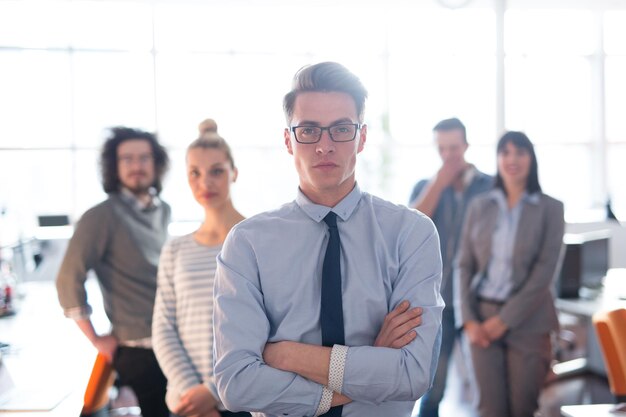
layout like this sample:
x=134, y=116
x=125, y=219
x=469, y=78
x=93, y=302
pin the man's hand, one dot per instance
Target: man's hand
x=398, y=330
x=106, y=345
x=196, y=401
x=339, y=399
x=448, y=175
x=494, y=328
x=311, y=361
x=450, y=171
x=399, y=326
x=476, y=334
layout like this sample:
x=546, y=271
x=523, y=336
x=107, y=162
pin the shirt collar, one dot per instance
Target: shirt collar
x=499, y=197
x=137, y=204
x=343, y=209
x=468, y=175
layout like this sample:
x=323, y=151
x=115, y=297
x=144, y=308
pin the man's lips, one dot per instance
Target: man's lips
x=327, y=164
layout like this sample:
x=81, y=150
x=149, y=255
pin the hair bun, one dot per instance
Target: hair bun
x=207, y=126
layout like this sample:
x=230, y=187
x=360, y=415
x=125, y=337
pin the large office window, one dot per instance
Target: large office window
x=615, y=93
x=70, y=69
x=549, y=95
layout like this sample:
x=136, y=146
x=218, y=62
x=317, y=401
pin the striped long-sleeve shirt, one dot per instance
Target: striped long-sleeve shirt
x=182, y=330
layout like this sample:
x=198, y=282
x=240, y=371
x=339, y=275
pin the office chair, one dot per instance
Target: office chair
x=96, y=398
x=610, y=327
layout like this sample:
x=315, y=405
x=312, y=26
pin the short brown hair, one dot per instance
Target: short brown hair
x=447, y=125
x=326, y=77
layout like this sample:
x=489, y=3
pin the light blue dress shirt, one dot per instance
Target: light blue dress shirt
x=268, y=289
x=498, y=283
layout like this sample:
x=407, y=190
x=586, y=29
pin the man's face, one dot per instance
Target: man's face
x=325, y=168
x=451, y=145
x=135, y=165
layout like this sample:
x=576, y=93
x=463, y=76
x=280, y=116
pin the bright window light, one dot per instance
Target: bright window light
x=554, y=32
x=69, y=69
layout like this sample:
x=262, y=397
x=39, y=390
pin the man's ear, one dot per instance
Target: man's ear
x=235, y=174
x=287, y=135
x=362, y=138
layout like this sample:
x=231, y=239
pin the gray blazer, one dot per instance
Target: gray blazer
x=536, y=261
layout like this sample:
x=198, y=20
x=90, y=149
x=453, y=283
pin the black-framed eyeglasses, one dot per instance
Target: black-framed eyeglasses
x=341, y=132
x=143, y=159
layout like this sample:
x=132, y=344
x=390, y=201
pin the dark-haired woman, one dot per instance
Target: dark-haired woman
x=509, y=252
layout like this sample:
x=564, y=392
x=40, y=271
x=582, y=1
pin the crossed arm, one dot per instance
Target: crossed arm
x=250, y=376
x=312, y=361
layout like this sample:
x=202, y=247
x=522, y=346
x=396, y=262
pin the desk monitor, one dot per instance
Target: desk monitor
x=585, y=263
x=53, y=220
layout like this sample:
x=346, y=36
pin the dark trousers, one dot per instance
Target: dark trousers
x=429, y=404
x=139, y=369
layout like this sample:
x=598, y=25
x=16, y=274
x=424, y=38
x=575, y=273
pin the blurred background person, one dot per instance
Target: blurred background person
x=121, y=239
x=508, y=256
x=182, y=325
x=444, y=198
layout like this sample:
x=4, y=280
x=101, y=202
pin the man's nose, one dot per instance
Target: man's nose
x=325, y=144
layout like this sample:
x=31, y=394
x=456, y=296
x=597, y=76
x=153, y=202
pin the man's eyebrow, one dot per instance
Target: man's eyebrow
x=336, y=122
x=342, y=120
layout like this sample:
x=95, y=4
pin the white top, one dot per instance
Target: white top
x=182, y=330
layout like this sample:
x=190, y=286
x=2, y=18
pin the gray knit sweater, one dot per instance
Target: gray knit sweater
x=121, y=244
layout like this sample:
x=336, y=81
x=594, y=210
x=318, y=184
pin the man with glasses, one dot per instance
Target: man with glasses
x=330, y=304
x=120, y=239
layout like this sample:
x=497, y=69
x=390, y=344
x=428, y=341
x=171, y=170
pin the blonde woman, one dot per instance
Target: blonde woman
x=182, y=323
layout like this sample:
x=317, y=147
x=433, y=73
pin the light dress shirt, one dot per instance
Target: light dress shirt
x=268, y=289
x=498, y=283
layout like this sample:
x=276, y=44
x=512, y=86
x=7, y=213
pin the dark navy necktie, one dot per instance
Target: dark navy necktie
x=331, y=315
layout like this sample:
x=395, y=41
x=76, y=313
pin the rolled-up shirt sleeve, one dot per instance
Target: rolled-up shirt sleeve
x=86, y=248
x=244, y=381
x=376, y=374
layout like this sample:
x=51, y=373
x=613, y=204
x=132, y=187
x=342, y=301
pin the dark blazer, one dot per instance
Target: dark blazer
x=536, y=261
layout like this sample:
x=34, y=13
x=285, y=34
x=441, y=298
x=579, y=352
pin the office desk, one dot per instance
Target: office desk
x=48, y=354
x=612, y=295
x=590, y=410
